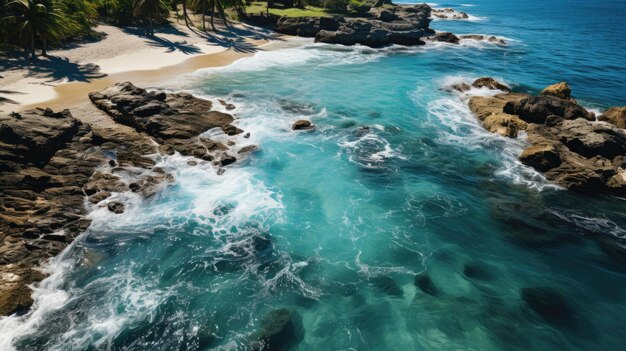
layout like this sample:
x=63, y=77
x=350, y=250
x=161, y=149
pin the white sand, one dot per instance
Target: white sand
x=122, y=50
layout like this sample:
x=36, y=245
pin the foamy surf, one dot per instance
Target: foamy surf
x=465, y=130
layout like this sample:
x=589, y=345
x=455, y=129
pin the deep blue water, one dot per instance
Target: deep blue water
x=397, y=183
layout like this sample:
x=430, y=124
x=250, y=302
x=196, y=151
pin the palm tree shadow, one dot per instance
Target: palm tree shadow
x=237, y=37
x=160, y=42
x=172, y=46
x=6, y=100
x=53, y=68
x=56, y=68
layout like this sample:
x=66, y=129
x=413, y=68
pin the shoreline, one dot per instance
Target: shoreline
x=65, y=77
x=71, y=93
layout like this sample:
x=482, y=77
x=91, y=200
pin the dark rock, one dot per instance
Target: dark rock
x=116, y=207
x=445, y=37
x=302, y=125
x=179, y=116
x=231, y=130
x=226, y=105
x=593, y=139
x=542, y=157
x=227, y=160
x=490, y=83
x=280, y=330
x=478, y=271
x=553, y=120
x=478, y=37
x=535, y=109
x=247, y=149
x=425, y=284
x=551, y=305
x=402, y=25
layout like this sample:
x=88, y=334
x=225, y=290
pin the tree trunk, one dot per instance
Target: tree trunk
x=185, y=13
x=33, y=54
x=220, y=9
x=213, y=15
x=44, y=47
x=204, y=16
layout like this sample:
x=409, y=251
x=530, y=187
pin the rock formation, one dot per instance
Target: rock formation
x=175, y=121
x=566, y=143
x=52, y=165
x=402, y=25
x=615, y=115
x=448, y=13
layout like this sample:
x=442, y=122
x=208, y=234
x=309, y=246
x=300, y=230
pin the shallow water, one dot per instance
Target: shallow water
x=398, y=182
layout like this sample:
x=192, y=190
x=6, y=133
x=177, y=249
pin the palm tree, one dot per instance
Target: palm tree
x=185, y=15
x=202, y=5
x=149, y=11
x=33, y=19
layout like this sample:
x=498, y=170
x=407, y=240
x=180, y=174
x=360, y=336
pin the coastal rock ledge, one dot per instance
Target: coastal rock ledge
x=54, y=168
x=402, y=25
x=565, y=141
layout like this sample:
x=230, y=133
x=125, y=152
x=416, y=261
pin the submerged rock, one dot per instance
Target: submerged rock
x=551, y=305
x=280, y=330
x=478, y=271
x=425, y=284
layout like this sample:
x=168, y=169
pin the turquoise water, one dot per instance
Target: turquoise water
x=397, y=183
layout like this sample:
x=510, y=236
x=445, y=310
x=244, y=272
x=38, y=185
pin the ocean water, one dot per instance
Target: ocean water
x=398, y=184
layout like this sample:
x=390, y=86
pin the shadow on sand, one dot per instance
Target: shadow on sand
x=53, y=68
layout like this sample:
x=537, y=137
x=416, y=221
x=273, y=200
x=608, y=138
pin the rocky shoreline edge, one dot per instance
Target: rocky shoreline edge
x=53, y=167
x=569, y=145
x=405, y=25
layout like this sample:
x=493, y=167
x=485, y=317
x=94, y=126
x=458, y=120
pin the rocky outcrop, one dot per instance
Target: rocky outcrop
x=175, y=121
x=402, y=25
x=45, y=157
x=53, y=167
x=302, y=124
x=445, y=37
x=560, y=90
x=486, y=38
x=536, y=109
x=448, y=13
x=490, y=83
x=566, y=143
x=615, y=115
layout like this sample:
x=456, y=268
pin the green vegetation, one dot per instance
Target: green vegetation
x=257, y=7
x=149, y=11
x=32, y=24
x=30, y=19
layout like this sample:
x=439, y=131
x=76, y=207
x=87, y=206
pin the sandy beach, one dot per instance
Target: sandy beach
x=124, y=54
